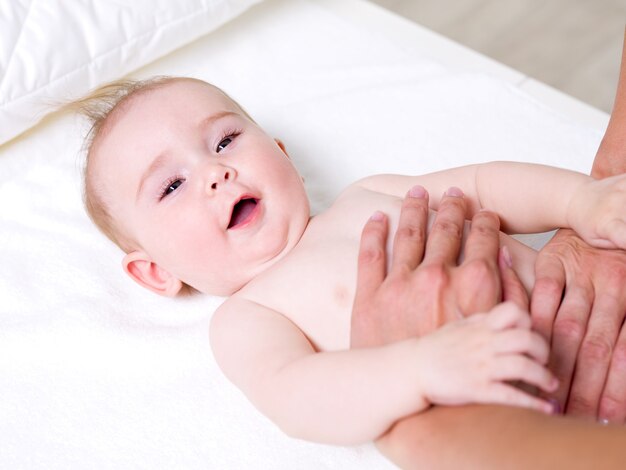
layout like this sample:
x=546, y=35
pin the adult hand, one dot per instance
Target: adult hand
x=579, y=304
x=585, y=318
x=425, y=287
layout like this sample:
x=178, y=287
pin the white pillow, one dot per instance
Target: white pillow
x=55, y=50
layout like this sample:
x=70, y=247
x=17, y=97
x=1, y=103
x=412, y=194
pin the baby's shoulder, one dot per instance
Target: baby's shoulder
x=368, y=187
x=227, y=313
x=238, y=305
x=346, y=216
x=237, y=314
x=243, y=336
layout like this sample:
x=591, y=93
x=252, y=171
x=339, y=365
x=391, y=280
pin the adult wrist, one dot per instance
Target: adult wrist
x=611, y=156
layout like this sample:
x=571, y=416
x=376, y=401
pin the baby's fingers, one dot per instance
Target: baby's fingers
x=519, y=367
x=508, y=315
x=522, y=341
x=503, y=394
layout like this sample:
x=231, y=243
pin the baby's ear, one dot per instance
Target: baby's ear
x=147, y=274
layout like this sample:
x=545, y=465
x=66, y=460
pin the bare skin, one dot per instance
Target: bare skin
x=185, y=150
x=473, y=286
x=498, y=437
x=447, y=437
x=588, y=339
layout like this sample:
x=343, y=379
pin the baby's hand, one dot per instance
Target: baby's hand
x=597, y=212
x=470, y=360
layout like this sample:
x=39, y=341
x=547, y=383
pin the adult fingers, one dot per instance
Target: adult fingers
x=444, y=240
x=408, y=245
x=594, y=356
x=371, y=268
x=568, y=331
x=613, y=402
x=483, y=240
x=512, y=288
x=371, y=271
x=547, y=293
x=479, y=288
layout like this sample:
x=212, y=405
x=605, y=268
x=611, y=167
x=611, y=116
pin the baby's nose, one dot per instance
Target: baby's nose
x=218, y=176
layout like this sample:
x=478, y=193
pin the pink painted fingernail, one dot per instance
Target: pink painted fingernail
x=454, y=192
x=556, y=406
x=417, y=191
x=378, y=215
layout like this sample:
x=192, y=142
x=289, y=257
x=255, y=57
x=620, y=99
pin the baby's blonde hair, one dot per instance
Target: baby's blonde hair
x=98, y=107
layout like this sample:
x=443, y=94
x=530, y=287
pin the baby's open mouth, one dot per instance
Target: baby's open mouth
x=242, y=211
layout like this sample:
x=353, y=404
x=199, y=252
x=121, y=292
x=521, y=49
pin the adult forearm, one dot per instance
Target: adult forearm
x=611, y=156
x=485, y=437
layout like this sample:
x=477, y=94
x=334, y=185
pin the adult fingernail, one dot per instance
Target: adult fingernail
x=454, y=191
x=417, y=191
x=378, y=215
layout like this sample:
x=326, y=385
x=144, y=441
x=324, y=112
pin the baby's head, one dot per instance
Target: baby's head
x=189, y=186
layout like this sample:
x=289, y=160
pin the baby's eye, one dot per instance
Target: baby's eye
x=171, y=187
x=224, y=143
x=227, y=139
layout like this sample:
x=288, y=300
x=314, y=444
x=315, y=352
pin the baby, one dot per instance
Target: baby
x=199, y=196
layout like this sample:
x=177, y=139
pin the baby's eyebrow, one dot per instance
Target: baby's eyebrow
x=207, y=122
x=156, y=165
x=159, y=161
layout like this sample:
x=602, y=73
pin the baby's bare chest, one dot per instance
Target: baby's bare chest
x=314, y=285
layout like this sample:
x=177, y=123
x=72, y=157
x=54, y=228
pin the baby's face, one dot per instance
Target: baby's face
x=205, y=193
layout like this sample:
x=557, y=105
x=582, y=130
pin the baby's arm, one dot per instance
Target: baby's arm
x=354, y=396
x=528, y=197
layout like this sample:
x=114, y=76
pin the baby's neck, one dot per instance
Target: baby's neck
x=267, y=266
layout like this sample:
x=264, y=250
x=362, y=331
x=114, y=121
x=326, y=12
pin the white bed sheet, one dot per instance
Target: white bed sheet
x=96, y=373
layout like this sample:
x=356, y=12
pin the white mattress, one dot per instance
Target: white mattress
x=96, y=373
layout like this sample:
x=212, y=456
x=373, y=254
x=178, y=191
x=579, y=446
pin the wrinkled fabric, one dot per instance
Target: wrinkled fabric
x=52, y=51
